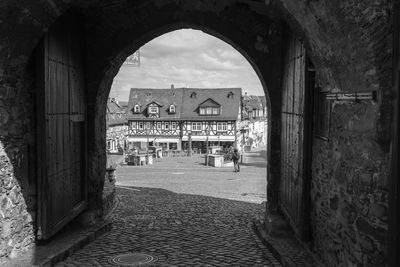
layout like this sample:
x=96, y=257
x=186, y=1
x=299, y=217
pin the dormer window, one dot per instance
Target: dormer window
x=209, y=108
x=230, y=95
x=193, y=95
x=209, y=111
x=172, y=109
x=153, y=110
x=136, y=109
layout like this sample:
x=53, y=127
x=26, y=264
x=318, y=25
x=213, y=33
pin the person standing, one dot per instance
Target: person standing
x=235, y=158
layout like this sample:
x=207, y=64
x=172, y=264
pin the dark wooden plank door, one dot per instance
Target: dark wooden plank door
x=293, y=184
x=61, y=128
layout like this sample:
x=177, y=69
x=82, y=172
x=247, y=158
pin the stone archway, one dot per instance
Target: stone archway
x=105, y=86
x=349, y=43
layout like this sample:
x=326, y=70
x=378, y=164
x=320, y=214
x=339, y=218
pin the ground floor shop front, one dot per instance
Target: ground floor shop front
x=198, y=144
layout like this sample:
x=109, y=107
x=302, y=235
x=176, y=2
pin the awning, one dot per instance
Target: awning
x=210, y=138
x=152, y=139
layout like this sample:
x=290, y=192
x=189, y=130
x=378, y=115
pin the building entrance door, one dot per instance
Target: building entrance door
x=295, y=137
x=61, y=127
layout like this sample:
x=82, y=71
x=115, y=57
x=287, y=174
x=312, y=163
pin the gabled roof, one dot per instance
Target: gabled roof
x=252, y=102
x=115, y=114
x=155, y=102
x=187, y=102
x=114, y=107
x=123, y=103
x=209, y=103
x=163, y=97
x=229, y=105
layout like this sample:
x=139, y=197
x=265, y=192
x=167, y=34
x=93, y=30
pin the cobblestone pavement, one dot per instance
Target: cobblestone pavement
x=180, y=230
x=185, y=214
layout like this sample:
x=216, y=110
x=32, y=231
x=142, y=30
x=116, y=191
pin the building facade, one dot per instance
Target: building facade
x=183, y=118
x=253, y=126
x=117, y=127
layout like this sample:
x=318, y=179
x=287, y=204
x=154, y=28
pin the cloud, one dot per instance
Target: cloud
x=187, y=58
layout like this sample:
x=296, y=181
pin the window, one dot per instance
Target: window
x=153, y=110
x=173, y=125
x=193, y=95
x=172, y=109
x=209, y=111
x=196, y=126
x=173, y=146
x=159, y=125
x=140, y=125
x=136, y=109
x=166, y=125
x=133, y=125
x=222, y=126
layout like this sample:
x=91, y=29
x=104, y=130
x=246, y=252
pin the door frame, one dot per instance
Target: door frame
x=308, y=145
x=394, y=184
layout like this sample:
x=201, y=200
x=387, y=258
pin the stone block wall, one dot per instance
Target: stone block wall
x=16, y=222
x=349, y=193
x=17, y=186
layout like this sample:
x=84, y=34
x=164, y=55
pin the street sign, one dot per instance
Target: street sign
x=133, y=60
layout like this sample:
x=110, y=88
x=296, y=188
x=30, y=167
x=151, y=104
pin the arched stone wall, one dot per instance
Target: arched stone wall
x=115, y=46
x=348, y=41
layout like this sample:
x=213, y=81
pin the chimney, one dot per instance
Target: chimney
x=172, y=86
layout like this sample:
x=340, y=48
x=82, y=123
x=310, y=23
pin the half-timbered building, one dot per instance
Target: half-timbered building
x=173, y=118
x=253, y=107
x=117, y=127
x=252, y=129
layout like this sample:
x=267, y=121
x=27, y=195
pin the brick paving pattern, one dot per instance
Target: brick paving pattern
x=180, y=230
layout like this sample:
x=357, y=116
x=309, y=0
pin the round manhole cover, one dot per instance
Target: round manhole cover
x=133, y=259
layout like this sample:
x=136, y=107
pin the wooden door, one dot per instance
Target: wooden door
x=61, y=128
x=294, y=184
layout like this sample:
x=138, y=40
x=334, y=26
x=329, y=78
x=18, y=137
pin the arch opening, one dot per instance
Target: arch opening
x=235, y=132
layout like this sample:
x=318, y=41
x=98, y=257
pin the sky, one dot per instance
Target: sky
x=187, y=58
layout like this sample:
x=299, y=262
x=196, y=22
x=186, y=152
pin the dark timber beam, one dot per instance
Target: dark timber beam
x=394, y=186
